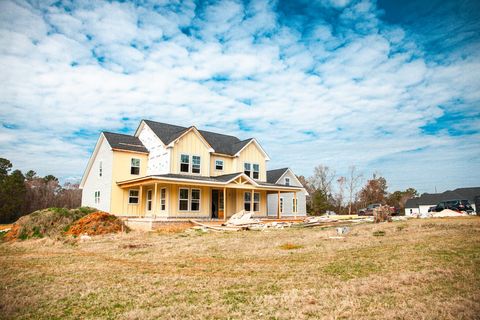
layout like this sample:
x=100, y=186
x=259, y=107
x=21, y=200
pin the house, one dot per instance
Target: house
x=165, y=171
x=290, y=204
x=420, y=205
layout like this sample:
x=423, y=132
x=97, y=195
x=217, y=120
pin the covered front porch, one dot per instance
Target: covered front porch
x=176, y=197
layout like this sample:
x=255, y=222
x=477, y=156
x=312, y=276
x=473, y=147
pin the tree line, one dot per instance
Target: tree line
x=346, y=194
x=21, y=194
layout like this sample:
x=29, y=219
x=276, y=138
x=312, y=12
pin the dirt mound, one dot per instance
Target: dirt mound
x=51, y=222
x=97, y=223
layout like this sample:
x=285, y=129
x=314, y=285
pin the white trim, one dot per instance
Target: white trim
x=215, y=165
x=259, y=147
x=188, y=199
x=199, y=199
x=132, y=166
x=296, y=179
x=138, y=197
x=165, y=199
x=282, y=205
x=92, y=159
x=180, y=163
x=294, y=205
x=151, y=200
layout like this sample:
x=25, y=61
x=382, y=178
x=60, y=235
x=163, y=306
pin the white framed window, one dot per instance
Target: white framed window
x=135, y=166
x=184, y=163
x=256, y=202
x=100, y=168
x=256, y=171
x=97, y=197
x=247, y=168
x=287, y=181
x=195, y=164
x=247, y=201
x=163, y=199
x=219, y=165
x=281, y=205
x=195, y=200
x=183, y=199
x=133, y=196
x=149, y=200
x=294, y=205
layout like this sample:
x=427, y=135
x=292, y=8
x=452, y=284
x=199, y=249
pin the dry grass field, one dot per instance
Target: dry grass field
x=420, y=269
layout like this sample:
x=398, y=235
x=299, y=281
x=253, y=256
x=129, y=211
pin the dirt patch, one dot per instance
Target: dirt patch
x=51, y=222
x=173, y=227
x=97, y=223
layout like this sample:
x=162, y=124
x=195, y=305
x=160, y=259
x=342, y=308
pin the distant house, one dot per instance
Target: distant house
x=291, y=204
x=420, y=205
x=172, y=172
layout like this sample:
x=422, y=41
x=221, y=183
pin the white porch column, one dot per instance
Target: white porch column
x=296, y=205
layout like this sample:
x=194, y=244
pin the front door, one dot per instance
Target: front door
x=217, y=204
x=149, y=206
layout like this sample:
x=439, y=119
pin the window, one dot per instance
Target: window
x=100, y=169
x=281, y=205
x=195, y=202
x=247, y=167
x=133, y=196
x=184, y=163
x=149, y=200
x=219, y=165
x=294, y=205
x=247, y=201
x=163, y=199
x=256, y=201
x=256, y=171
x=97, y=196
x=195, y=164
x=220, y=201
x=183, y=200
x=287, y=181
x=135, y=166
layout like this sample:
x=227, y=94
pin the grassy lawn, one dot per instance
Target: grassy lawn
x=420, y=269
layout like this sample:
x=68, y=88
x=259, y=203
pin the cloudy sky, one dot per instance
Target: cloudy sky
x=388, y=86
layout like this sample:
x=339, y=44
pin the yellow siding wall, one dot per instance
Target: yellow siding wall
x=252, y=154
x=121, y=171
x=227, y=165
x=192, y=145
x=263, y=201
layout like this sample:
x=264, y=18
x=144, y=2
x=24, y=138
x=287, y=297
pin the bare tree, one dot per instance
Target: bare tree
x=354, y=181
x=322, y=179
x=339, y=196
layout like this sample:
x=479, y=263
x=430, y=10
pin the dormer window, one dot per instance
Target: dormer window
x=219, y=165
x=135, y=166
x=195, y=164
x=185, y=163
x=287, y=181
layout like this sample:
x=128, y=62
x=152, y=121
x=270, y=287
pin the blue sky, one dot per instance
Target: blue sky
x=391, y=87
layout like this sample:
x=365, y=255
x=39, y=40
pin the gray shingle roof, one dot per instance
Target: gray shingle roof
x=221, y=143
x=124, y=142
x=434, y=198
x=275, y=174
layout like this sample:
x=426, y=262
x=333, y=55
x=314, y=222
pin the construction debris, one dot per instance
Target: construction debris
x=243, y=221
x=448, y=213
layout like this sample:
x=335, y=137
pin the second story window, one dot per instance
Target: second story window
x=256, y=171
x=100, y=169
x=195, y=164
x=135, y=166
x=287, y=181
x=219, y=165
x=97, y=196
x=247, y=168
x=184, y=163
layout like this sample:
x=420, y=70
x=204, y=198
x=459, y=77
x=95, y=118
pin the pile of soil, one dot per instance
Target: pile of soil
x=97, y=223
x=51, y=222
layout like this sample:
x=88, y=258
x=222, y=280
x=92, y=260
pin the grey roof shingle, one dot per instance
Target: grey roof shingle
x=275, y=174
x=124, y=142
x=221, y=143
x=434, y=198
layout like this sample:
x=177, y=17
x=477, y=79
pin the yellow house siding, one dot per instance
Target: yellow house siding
x=252, y=154
x=192, y=145
x=227, y=165
x=121, y=171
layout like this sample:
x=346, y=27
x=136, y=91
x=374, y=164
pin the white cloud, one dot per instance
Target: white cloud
x=357, y=95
